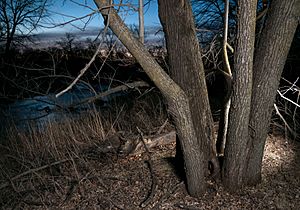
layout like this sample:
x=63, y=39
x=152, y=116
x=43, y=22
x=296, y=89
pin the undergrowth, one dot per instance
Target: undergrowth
x=41, y=161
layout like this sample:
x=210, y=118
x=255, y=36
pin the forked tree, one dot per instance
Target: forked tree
x=256, y=78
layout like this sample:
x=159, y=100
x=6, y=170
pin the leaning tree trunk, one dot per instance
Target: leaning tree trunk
x=177, y=100
x=283, y=18
x=236, y=144
x=186, y=69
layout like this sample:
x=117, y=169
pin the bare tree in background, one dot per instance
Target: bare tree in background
x=19, y=18
x=141, y=22
x=67, y=42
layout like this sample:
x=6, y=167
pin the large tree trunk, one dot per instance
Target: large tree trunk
x=236, y=144
x=177, y=100
x=186, y=69
x=270, y=57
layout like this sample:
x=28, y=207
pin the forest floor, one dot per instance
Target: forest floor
x=143, y=181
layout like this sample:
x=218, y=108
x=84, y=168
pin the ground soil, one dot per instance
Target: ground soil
x=114, y=181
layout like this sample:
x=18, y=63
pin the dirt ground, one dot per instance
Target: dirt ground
x=114, y=181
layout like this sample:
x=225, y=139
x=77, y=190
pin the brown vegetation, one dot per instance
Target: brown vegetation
x=96, y=160
x=78, y=163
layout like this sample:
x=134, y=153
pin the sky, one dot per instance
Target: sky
x=63, y=11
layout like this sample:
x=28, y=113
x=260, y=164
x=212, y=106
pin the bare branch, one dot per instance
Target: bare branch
x=81, y=72
x=112, y=91
x=289, y=100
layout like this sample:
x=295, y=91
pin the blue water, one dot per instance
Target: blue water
x=41, y=109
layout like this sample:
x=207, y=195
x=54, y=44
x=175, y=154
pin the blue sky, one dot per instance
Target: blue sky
x=63, y=11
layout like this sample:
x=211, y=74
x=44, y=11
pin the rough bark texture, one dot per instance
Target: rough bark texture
x=236, y=145
x=141, y=22
x=177, y=99
x=186, y=69
x=270, y=57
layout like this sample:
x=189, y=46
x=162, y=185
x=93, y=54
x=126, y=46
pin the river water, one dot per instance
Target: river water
x=40, y=109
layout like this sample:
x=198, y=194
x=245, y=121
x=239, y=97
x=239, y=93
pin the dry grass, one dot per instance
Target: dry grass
x=54, y=159
x=67, y=165
x=32, y=160
x=56, y=140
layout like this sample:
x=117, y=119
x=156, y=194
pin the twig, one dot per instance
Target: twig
x=106, y=57
x=292, y=87
x=87, y=66
x=74, y=18
x=153, y=177
x=162, y=127
x=293, y=84
x=62, y=76
x=107, y=20
x=285, y=122
x=289, y=100
x=112, y=91
x=34, y=170
x=260, y=15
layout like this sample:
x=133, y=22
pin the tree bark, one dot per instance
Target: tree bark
x=177, y=100
x=186, y=69
x=236, y=144
x=141, y=22
x=282, y=20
